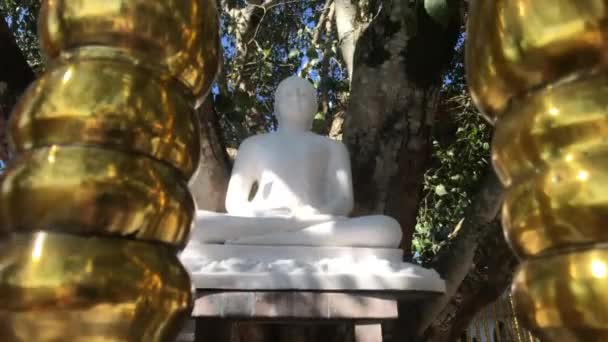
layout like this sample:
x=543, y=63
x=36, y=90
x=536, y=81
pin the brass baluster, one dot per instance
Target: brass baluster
x=96, y=206
x=537, y=70
x=477, y=330
x=497, y=328
x=486, y=330
x=514, y=318
x=500, y=316
x=532, y=337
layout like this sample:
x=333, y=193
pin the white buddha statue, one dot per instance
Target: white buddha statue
x=293, y=187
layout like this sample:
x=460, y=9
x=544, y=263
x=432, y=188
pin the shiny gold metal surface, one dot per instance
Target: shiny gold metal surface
x=514, y=46
x=57, y=287
x=550, y=149
x=561, y=123
x=538, y=69
x=86, y=190
x=563, y=297
x=96, y=204
x=111, y=104
x=179, y=36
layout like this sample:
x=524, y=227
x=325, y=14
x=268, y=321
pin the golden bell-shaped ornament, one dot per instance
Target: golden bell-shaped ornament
x=96, y=205
x=538, y=69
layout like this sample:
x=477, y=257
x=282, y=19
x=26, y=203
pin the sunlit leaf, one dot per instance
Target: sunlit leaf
x=293, y=53
x=439, y=10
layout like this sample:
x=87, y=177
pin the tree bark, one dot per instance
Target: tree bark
x=455, y=259
x=394, y=97
x=349, y=30
x=462, y=261
x=488, y=279
x=210, y=183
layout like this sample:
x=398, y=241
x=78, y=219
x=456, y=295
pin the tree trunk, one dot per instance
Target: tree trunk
x=209, y=184
x=394, y=98
x=349, y=31
x=490, y=276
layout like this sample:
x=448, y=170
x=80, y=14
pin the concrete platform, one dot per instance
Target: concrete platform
x=269, y=268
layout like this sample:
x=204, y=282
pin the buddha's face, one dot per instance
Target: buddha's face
x=295, y=103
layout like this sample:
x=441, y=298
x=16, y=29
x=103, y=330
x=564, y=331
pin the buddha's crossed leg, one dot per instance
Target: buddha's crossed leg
x=369, y=231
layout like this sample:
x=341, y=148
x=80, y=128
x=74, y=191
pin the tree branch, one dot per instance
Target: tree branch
x=247, y=21
x=349, y=31
x=325, y=26
x=326, y=13
x=455, y=259
x=209, y=185
x=488, y=279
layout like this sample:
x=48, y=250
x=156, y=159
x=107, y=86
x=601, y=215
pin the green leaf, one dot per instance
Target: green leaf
x=440, y=190
x=293, y=53
x=456, y=177
x=223, y=103
x=242, y=99
x=312, y=53
x=439, y=10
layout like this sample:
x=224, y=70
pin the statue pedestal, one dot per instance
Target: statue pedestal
x=363, y=311
x=301, y=285
x=278, y=268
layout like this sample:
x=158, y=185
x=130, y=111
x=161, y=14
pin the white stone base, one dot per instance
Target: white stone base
x=239, y=267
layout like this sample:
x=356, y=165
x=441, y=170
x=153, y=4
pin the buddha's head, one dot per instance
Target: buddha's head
x=295, y=103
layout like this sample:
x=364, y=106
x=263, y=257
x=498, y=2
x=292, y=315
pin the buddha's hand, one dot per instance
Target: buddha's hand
x=306, y=211
x=274, y=212
x=271, y=212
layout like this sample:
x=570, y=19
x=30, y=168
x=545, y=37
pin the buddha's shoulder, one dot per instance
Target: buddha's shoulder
x=335, y=145
x=258, y=140
x=274, y=139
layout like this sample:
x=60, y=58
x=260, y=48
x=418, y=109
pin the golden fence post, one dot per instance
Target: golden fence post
x=96, y=206
x=514, y=318
x=497, y=328
x=477, y=330
x=537, y=69
x=508, y=319
x=485, y=314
